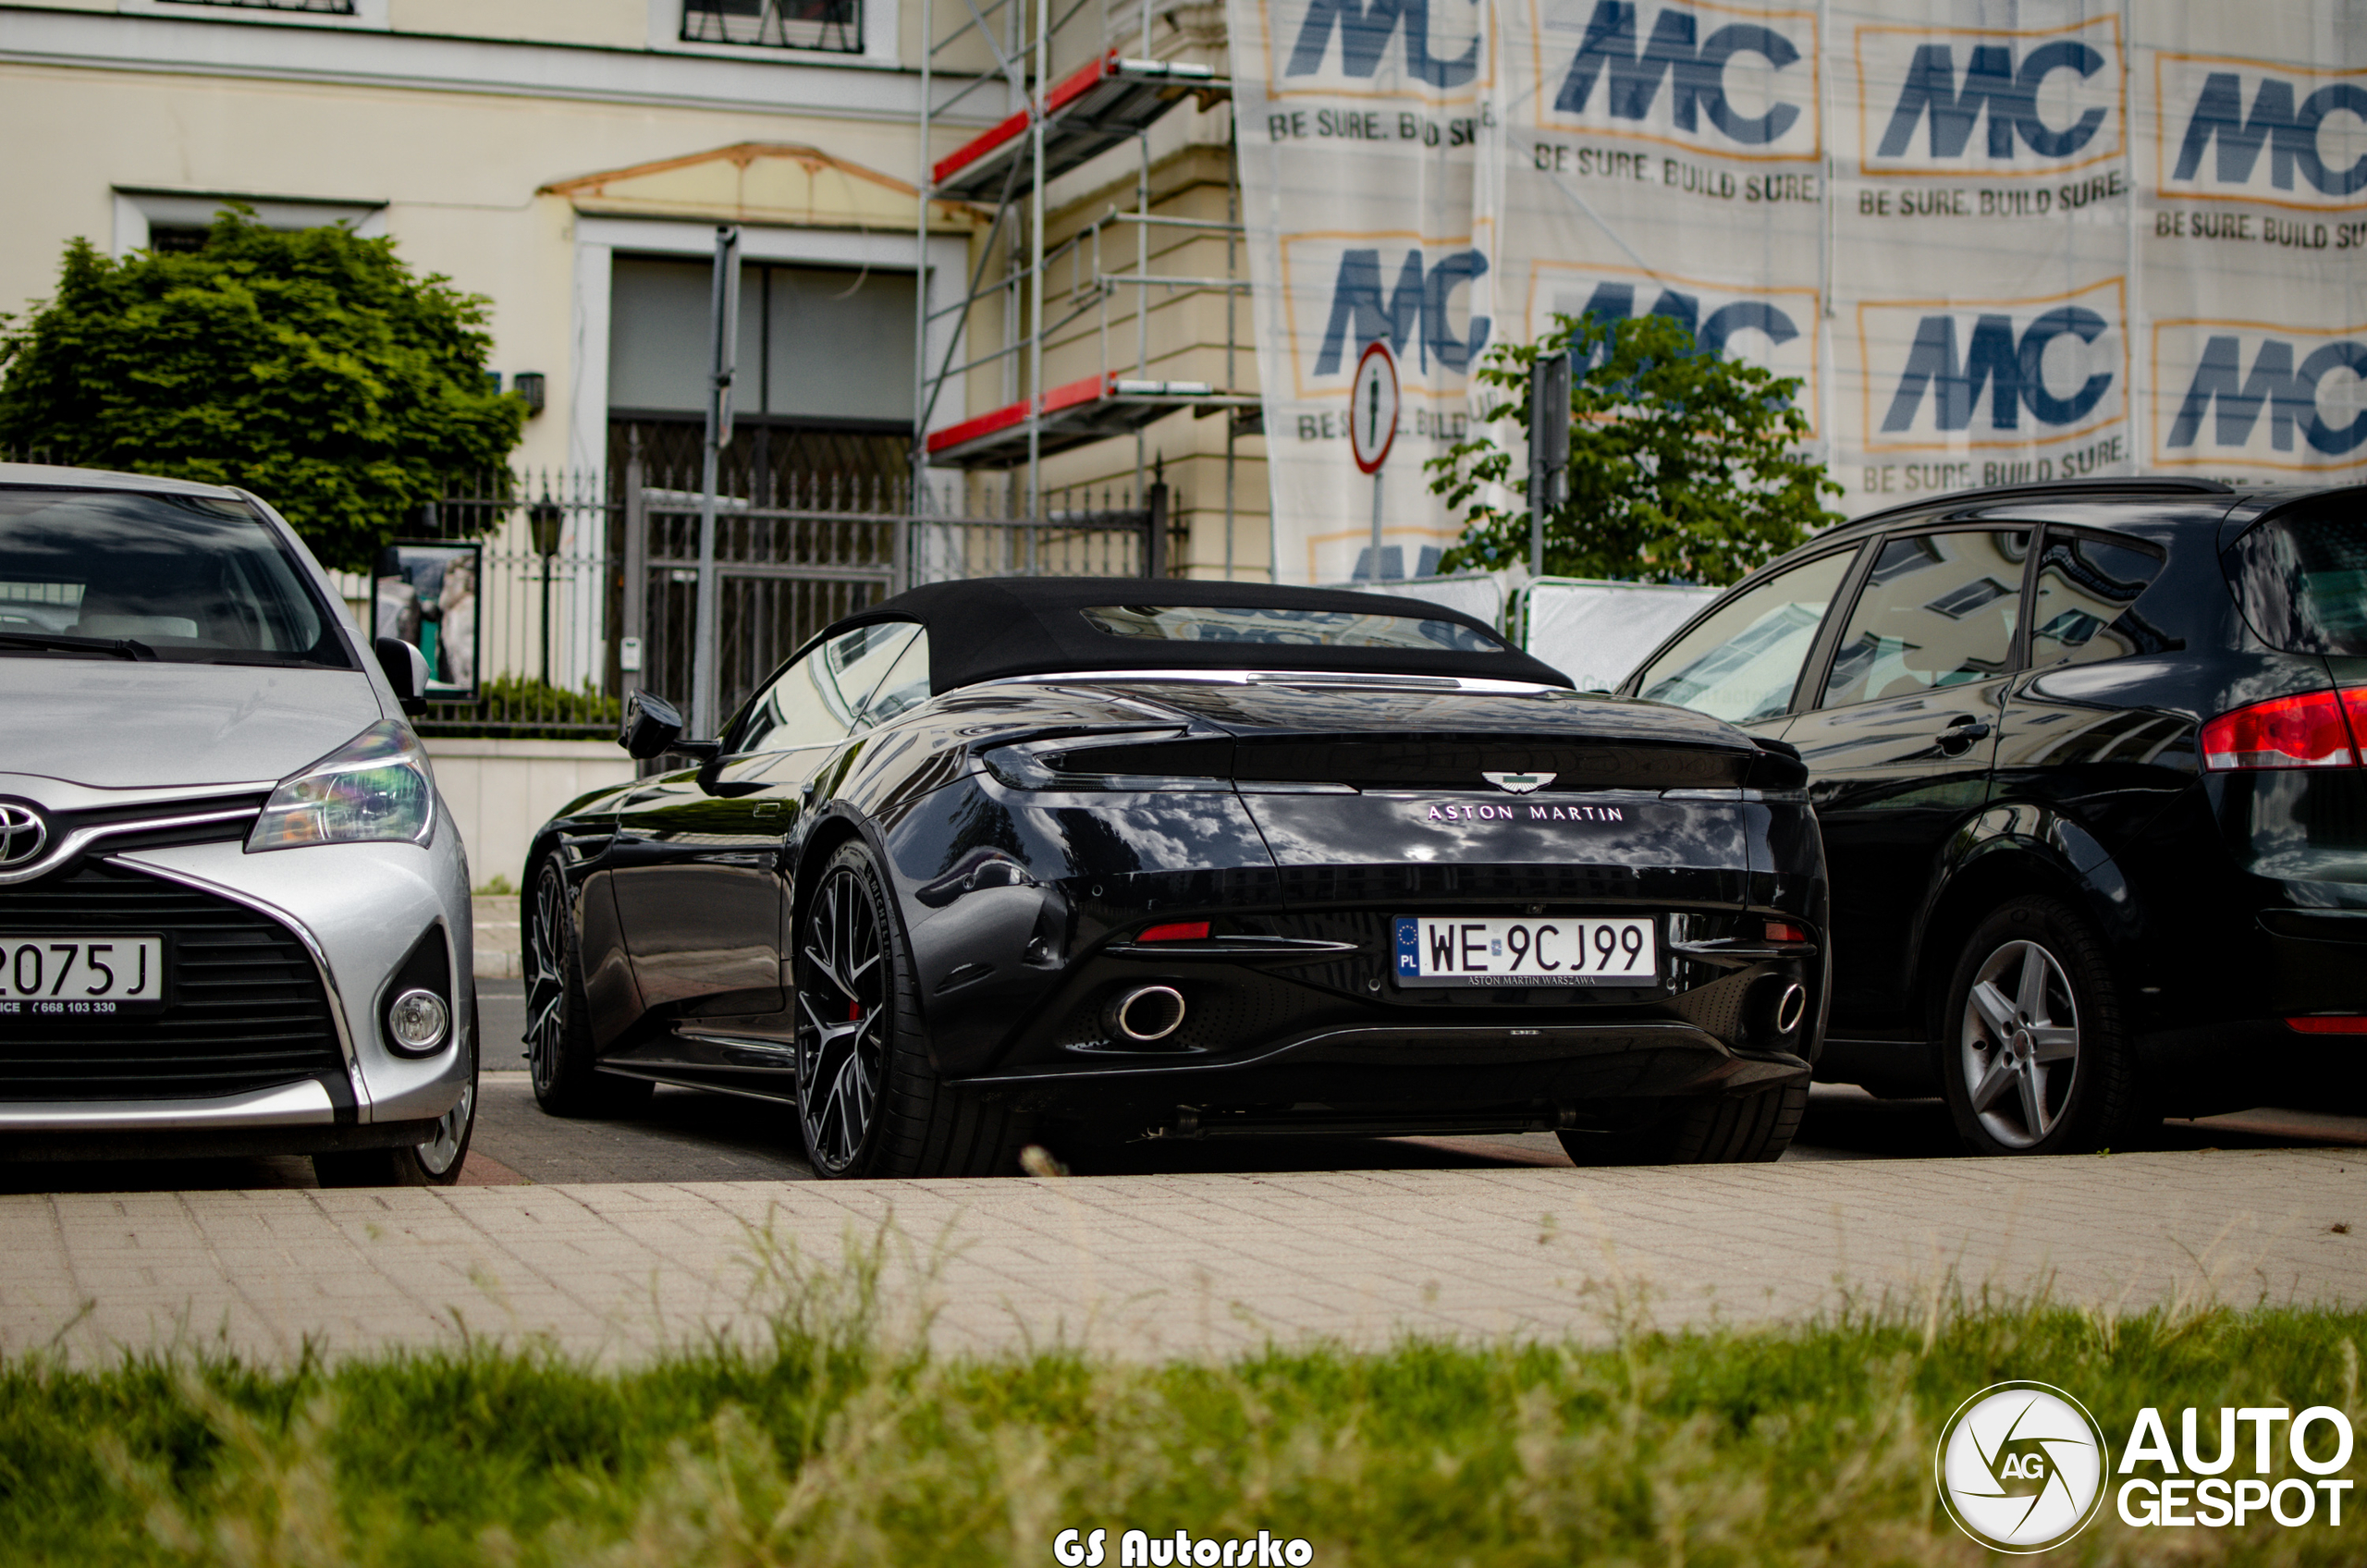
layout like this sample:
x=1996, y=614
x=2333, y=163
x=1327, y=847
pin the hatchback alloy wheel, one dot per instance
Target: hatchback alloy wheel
x=2020, y=1044
x=843, y=1017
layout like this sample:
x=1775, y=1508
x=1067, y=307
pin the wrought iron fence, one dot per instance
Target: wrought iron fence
x=1075, y=537
x=540, y=605
x=827, y=547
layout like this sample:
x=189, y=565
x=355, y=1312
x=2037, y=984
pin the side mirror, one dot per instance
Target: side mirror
x=654, y=725
x=406, y=669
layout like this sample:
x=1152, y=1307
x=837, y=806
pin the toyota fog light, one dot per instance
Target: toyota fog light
x=418, y=1020
x=374, y=789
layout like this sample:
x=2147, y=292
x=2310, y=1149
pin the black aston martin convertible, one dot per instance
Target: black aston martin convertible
x=1060, y=860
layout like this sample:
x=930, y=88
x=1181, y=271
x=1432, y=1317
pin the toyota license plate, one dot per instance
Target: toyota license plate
x=1554, y=950
x=42, y=976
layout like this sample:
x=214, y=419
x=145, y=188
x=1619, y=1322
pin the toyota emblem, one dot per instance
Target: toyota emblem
x=22, y=834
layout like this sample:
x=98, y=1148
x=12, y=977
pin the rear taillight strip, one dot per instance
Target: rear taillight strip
x=2308, y=729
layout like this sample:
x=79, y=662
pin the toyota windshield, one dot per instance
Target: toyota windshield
x=140, y=576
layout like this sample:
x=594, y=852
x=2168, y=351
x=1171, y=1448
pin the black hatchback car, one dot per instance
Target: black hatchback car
x=2088, y=758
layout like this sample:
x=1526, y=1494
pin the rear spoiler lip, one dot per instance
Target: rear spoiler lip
x=1330, y=761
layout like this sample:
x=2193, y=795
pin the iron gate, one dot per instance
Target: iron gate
x=828, y=548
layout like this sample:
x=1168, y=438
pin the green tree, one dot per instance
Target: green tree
x=311, y=367
x=1684, y=464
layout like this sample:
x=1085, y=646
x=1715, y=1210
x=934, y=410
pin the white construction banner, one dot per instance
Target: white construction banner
x=1995, y=242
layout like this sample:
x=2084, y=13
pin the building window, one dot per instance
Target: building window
x=828, y=344
x=824, y=390
x=179, y=220
x=834, y=25
x=323, y=8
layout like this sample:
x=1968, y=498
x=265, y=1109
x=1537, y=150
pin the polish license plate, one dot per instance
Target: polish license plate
x=84, y=977
x=1552, y=950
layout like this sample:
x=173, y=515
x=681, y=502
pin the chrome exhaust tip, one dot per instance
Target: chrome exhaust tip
x=1147, y=1014
x=1791, y=1006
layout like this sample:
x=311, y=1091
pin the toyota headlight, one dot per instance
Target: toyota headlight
x=374, y=789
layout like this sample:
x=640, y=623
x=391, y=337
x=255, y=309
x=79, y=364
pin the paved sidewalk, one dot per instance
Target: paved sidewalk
x=495, y=939
x=1191, y=1265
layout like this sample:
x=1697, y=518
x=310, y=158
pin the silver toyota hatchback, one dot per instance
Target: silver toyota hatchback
x=234, y=912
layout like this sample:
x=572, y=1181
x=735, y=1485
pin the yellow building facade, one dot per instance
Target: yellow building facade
x=570, y=159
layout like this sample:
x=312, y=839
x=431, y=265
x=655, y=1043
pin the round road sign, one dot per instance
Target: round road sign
x=1372, y=407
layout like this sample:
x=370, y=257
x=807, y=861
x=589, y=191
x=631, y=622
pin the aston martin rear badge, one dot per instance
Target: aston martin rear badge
x=1519, y=783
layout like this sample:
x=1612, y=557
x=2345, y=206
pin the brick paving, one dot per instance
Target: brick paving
x=1192, y=1264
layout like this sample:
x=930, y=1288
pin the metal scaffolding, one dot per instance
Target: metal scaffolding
x=1055, y=126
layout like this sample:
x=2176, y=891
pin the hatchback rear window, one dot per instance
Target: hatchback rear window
x=186, y=579
x=1218, y=623
x=2301, y=578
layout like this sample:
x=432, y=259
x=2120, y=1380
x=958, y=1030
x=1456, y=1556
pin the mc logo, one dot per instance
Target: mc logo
x=1773, y=327
x=1988, y=102
x=2259, y=396
x=1616, y=302
x=1442, y=46
x=1997, y=373
x=1683, y=74
x=1348, y=290
x=2284, y=135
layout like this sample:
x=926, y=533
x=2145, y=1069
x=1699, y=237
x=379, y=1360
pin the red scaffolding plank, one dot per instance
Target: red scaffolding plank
x=1093, y=108
x=1065, y=93
x=1073, y=415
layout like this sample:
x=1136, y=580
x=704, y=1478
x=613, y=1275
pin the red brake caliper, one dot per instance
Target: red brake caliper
x=854, y=1010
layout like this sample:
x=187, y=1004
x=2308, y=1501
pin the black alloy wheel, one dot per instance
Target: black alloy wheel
x=869, y=1103
x=2033, y=1059
x=558, y=1027
x=842, y=1018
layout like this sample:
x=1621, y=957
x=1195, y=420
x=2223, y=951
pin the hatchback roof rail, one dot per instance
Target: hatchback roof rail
x=2175, y=485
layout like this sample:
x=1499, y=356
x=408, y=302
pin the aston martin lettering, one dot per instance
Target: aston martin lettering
x=1457, y=811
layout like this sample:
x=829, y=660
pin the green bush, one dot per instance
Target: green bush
x=310, y=366
x=1685, y=465
x=521, y=707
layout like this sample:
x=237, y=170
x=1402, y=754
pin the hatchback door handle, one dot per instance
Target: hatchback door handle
x=1963, y=734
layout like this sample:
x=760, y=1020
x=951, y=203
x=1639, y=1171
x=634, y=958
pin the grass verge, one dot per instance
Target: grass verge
x=836, y=1442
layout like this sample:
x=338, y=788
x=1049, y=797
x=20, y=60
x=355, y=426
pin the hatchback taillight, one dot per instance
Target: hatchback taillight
x=2307, y=730
x=2329, y=1024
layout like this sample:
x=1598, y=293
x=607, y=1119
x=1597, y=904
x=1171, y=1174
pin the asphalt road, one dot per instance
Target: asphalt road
x=683, y=1135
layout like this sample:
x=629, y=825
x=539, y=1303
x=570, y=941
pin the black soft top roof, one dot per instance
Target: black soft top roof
x=987, y=629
